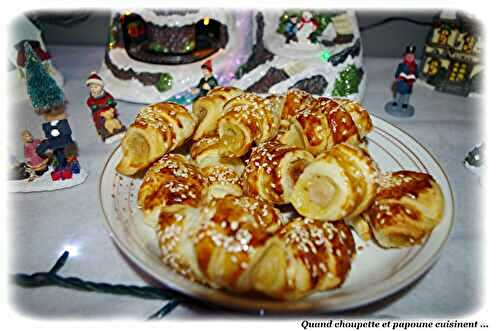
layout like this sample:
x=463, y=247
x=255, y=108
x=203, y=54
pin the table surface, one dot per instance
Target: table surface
x=42, y=224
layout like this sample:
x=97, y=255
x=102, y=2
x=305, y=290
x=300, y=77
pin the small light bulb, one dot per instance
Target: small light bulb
x=73, y=250
x=206, y=20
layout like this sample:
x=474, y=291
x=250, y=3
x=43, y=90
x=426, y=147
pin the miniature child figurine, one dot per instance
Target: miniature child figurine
x=104, y=114
x=33, y=161
x=291, y=29
x=406, y=74
x=207, y=82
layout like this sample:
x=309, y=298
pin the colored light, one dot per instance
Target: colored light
x=325, y=55
x=206, y=20
x=73, y=250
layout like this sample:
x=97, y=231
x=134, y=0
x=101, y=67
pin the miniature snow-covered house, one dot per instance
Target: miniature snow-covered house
x=452, y=55
x=154, y=55
x=304, y=49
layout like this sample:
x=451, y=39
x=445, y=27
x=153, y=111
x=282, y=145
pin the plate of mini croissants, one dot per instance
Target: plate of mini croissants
x=278, y=203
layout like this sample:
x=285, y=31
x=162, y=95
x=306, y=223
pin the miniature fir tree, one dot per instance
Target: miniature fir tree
x=44, y=93
x=347, y=83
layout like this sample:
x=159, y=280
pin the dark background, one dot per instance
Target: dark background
x=388, y=40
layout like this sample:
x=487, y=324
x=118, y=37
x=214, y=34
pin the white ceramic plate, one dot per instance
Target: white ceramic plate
x=375, y=274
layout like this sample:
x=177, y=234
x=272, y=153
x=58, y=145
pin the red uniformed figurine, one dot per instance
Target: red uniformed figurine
x=104, y=114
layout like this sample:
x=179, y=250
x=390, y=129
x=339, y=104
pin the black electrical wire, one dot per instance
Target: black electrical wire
x=394, y=19
x=51, y=278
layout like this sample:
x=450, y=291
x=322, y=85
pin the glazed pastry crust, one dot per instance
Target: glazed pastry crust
x=221, y=246
x=248, y=119
x=273, y=169
x=241, y=244
x=170, y=183
x=222, y=174
x=157, y=130
x=325, y=123
x=305, y=256
x=210, y=108
x=340, y=183
x=407, y=207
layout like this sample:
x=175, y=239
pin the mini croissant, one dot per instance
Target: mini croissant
x=407, y=207
x=157, y=129
x=340, y=183
x=241, y=244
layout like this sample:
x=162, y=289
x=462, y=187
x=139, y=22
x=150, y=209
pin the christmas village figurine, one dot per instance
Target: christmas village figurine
x=474, y=160
x=290, y=29
x=103, y=107
x=405, y=76
x=306, y=28
x=48, y=101
x=207, y=82
x=35, y=165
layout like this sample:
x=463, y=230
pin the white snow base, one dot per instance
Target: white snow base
x=45, y=183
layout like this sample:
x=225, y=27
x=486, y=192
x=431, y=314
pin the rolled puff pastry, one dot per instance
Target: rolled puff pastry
x=407, y=207
x=295, y=101
x=170, y=183
x=210, y=108
x=327, y=122
x=340, y=183
x=218, y=244
x=222, y=174
x=273, y=169
x=248, y=119
x=305, y=256
x=157, y=129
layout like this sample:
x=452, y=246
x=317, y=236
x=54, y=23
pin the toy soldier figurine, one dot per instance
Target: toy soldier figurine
x=406, y=75
x=207, y=82
x=103, y=107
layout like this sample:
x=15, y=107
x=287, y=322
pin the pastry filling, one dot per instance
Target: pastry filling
x=139, y=148
x=321, y=191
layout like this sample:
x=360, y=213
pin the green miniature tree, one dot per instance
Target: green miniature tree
x=164, y=82
x=44, y=93
x=347, y=83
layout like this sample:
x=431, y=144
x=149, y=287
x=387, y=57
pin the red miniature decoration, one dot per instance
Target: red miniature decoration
x=104, y=114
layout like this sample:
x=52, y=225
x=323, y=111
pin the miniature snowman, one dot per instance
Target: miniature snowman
x=306, y=26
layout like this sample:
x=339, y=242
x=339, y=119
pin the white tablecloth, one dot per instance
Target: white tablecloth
x=41, y=224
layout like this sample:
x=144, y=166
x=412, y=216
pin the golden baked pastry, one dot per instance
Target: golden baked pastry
x=215, y=218
x=359, y=115
x=305, y=256
x=170, y=183
x=219, y=243
x=209, y=109
x=248, y=118
x=157, y=129
x=273, y=169
x=327, y=122
x=221, y=173
x=407, y=207
x=340, y=183
x=241, y=244
x=295, y=101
